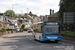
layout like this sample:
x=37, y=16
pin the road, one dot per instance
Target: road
x=24, y=41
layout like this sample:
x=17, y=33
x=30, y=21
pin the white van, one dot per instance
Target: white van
x=18, y=29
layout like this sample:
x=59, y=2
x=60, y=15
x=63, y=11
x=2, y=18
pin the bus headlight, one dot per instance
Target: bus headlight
x=59, y=36
x=44, y=36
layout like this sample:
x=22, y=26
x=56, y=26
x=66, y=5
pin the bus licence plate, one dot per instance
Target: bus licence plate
x=52, y=40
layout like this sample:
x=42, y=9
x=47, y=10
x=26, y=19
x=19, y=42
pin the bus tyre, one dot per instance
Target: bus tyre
x=34, y=38
x=40, y=38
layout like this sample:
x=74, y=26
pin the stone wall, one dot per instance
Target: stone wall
x=6, y=32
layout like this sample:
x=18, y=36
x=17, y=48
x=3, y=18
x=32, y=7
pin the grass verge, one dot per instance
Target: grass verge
x=68, y=33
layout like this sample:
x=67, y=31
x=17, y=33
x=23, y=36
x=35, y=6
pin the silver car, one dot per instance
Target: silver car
x=30, y=30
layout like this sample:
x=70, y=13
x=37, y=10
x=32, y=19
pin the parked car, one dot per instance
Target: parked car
x=21, y=30
x=18, y=29
x=30, y=30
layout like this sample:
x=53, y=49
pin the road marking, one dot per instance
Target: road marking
x=15, y=44
x=32, y=40
x=68, y=41
x=12, y=42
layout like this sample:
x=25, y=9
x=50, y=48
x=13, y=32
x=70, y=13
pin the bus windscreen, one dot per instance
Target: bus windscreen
x=51, y=29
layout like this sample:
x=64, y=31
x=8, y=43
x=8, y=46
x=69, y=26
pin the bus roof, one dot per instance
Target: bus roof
x=38, y=23
x=51, y=21
x=46, y=21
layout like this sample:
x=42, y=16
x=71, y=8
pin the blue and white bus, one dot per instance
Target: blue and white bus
x=50, y=30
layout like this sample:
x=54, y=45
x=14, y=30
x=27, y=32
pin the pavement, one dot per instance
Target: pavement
x=68, y=38
x=25, y=41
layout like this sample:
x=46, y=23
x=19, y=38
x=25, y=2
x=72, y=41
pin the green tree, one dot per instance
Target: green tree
x=30, y=13
x=9, y=13
x=19, y=15
x=3, y=29
x=66, y=6
x=23, y=26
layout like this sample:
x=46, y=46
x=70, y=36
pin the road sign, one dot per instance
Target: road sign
x=69, y=17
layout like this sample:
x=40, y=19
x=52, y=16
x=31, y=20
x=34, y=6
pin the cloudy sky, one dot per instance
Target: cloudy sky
x=39, y=7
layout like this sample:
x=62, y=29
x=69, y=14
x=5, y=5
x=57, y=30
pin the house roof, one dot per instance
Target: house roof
x=13, y=18
x=4, y=22
x=54, y=15
x=38, y=23
x=18, y=22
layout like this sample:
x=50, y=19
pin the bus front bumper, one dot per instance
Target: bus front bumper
x=51, y=39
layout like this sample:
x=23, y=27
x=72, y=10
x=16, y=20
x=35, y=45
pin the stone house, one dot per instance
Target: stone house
x=53, y=17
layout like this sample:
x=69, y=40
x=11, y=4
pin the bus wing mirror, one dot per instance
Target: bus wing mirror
x=41, y=26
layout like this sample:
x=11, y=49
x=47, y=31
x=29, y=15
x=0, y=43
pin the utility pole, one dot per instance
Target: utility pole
x=22, y=11
x=33, y=27
x=27, y=10
x=12, y=15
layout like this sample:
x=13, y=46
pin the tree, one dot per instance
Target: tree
x=3, y=29
x=30, y=13
x=23, y=26
x=9, y=13
x=66, y=6
x=19, y=15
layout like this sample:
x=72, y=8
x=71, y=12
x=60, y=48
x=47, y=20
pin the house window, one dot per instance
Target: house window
x=26, y=20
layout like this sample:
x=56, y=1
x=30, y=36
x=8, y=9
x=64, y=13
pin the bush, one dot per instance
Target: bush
x=15, y=29
x=23, y=26
x=3, y=29
x=39, y=31
x=35, y=29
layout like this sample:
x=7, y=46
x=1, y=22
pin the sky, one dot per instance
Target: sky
x=39, y=7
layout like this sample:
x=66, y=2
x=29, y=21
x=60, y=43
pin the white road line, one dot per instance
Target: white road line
x=32, y=40
x=15, y=44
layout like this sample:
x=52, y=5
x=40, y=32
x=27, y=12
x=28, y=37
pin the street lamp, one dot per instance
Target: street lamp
x=27, y=10
x=12, y=8
x=12, y=14
x=33, y=25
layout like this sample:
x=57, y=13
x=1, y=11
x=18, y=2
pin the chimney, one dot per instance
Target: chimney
x=53, y=11
x=50, y=11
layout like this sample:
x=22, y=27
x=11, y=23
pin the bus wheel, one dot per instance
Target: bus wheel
x=34, y=38
x=40, y=38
